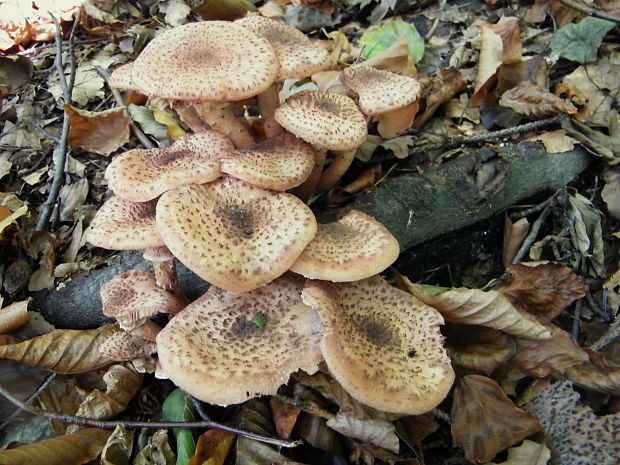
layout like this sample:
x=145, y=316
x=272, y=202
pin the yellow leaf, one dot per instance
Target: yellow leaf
x=212, y=448
x=11, y=218
x=174, y=130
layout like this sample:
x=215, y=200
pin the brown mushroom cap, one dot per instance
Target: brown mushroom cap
x=298, y=56
x=382, y=345
x=143, y=174
x=122, y=346
x=353, y=248
x=209, y=60
x=380, y=91
x=225, y=347
x=121, y=77
x=323, y=118
x=278, y=163
x=123, y=225
x=232, y=234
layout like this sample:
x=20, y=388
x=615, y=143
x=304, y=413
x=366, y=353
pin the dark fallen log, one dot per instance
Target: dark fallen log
x=416, y=208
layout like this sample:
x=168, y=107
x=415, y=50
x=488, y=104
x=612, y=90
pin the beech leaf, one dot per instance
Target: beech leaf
x=117, y=451
x=375, y=431
x=178, y=407
x=101, y=132
x=74, y=449
x=580, y=42
x=212, y=448
x=529, y=100
x=284, y=417
x=376, y=40
x=62, y=350
x=584, y=225
x=157, y=451
x=484, y=419
x=14, y=316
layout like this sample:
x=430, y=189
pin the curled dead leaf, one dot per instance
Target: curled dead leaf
x=101, y=132
x=14, y=317
x=528, y=453
x=597, y=374
x=529, y=100
x=212, y=448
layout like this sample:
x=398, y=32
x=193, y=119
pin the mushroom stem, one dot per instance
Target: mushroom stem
x=164, y=268
x=272, y=128
x=268, y=101
x=336, y=170
x=305, y=190
x=148, y=330
x=220, y=117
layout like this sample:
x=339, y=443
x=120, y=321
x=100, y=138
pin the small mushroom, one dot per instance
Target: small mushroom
x=353, y=248
x=226, y=347
x=383, y=346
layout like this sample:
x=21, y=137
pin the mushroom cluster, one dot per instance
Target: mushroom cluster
x=215, y=200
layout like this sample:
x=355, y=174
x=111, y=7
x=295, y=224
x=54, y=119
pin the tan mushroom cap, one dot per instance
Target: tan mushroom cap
x=353, y=248
x=133, y=296
x=123, y=225
x=232, y=234
x=158, y=254
x=226, y=348
x=209, y=60
x=382, y=345
x=330, y=120
x=143, y=174
x=380, y=91
x=298, y=56
x=122, y=346
x=121, y=77
x=278, y=163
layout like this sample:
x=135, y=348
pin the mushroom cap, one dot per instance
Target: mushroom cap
x=122, y=346
x=209, y=60
x=123, y=225
x=143, y=174
x=121, y=77
x=279, y=163
x=232, y=234
x=324, y=118
x=353, y=248
x=298, y=56
x=226, y=348
x=134, y=295
x=383, y=346
x=380, y=91
x=158, y=254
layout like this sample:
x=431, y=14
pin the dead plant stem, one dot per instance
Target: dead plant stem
x=588, y=10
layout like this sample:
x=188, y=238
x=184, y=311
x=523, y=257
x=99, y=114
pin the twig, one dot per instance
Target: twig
x=119, y=101
x=612, y=333
x=43, y=131
x=59, y=156
x=9, y=131
x=111, y=424
x=531, y=237
x=29, y=399
x=536, y=208
x=585, y=9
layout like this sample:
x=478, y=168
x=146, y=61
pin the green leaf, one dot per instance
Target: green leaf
x=377, y=40
x=145, y=118
x=178, y=407
x=580, y=42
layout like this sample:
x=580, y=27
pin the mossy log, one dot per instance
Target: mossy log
x=416, y=208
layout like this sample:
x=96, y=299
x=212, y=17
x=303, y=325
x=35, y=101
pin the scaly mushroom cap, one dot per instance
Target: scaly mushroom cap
x=121, y=77
x=122, y=346
x=158, y=254
x=226, y=348
x=353, y=248
x=123, y=225
x=134, y=295
x=210, y=60
x=232, y=234
x=380, y=91
x=383, y=346
x=279, y=163
x=143, y=174
x=298, y=56
x=323, y=118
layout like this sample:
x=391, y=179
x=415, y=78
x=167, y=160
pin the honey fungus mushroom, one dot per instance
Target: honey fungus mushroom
x=383, y=346
x=226, y=348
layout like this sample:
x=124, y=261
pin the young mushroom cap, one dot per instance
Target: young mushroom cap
x=143, y=174
x=123, y=225
x=279, y=163
x=121, y=77
x=380, y=91
x=298, y=56
x=232, y=234
x=383, y=346
x=330, y=120
x=353, y=248
x=226, y=348
x=209, y=60
x=122, y=346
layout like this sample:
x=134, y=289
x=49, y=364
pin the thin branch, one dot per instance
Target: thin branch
x=587, y=10
x=119, y=101
x=30, y=398
x=111, y=424
x=531, y=237
x=613, y=331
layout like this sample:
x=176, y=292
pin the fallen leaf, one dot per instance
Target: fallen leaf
x=378, y=39
x=485, y=421
x=173, y=130
x=177, y=12
x=580, y=42
x=15, y=71
x=101, y=132
x=284, y=417
x=529, y=100
x=16, y=276
x=145, y=118
x=584, y=225
x=395, y=59
x=514, y=234
x=14, y=317
x=597, y=374
x=20, y=137
x=223, y=10
x=5, y=164
x=611, y=191
x=365, y=180
x=441, y=88
x=375, y=431
x=528, y=453
x=75, y=449
x=117, y=450
x=415, y=428
x=212, y=448
x=555, y=141
x=72, y=197
x=157, y=451
x=575, y=434
x=178, y=407
x=543, y=290
x=62, y=350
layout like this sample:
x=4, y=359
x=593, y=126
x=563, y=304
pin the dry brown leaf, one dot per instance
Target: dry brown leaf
x=597, y=374
x=62, y=350
x=101, y=132
x=14, y=317
x=212, y=448
x=555, y=141
x=477, y=307
x=61, y=396
x=395, y=59
x=543, y=290
x=366, y=179
x=528, y=453
x=118, y=448
x=395, y=121
x=438, y=90
x=74, y=449
x=415, y=428
x=284, y=417
x=514, y=234
x=484, y=419
x=611, y=191
x=376, y=431
x=529, y=100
